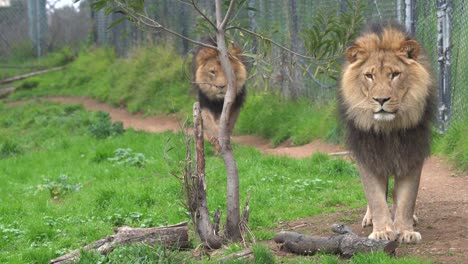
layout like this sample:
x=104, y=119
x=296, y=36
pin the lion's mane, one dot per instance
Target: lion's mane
x=401, y=143
x=210, y=93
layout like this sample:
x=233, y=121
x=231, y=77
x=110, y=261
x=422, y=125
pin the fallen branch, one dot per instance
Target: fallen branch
x=31, y=74
x=246, y=253
x=346, y=243
x=341, y=153
x=174, y=236
x=5, y=92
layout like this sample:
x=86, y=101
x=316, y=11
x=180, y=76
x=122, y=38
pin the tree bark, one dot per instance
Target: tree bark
x=232, y=230
x=175, y=236
x=346, y=243
x=199, y=210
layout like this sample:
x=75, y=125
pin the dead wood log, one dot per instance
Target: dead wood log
x=345, y=243
x=174, y=236
x=31, y=74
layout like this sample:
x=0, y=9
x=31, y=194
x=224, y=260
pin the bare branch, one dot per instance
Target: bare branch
x=228, y=14
x=271, y=41
x=154, y=24
x=203, y=14
x=218, y=13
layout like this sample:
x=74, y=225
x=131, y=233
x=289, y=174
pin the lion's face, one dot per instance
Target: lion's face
x=384, y=84
x=209, y=74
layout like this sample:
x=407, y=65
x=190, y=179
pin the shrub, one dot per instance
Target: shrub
x=103, y=127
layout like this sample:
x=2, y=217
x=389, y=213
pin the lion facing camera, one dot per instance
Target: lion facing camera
x=211, y=83
x=387, y=101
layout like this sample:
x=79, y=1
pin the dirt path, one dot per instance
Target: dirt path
x=442, y=205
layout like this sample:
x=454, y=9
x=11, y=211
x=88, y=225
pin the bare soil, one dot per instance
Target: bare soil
x=442, y=205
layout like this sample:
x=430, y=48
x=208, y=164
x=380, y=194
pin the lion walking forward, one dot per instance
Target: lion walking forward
x=387, y=101
x=211, y=84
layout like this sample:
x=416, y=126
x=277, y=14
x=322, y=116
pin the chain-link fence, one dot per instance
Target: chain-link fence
x=33, y=28
x=442, y=27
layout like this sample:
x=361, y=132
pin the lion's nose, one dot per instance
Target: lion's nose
x=381, y=100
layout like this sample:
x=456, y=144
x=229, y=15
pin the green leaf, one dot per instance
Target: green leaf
x=116, y=22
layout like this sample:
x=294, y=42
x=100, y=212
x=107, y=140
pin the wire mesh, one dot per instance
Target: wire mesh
x=21, y=30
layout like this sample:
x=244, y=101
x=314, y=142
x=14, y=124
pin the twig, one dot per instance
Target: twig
x=271, y=41
x=203, y=14
x=341, y=153
x=228, y=14
x=238, y=255
x=154, y=24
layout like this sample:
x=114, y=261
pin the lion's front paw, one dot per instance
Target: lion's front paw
x=410, y=237
x=383, y=235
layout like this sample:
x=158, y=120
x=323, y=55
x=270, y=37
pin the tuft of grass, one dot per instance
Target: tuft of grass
x=454, y=144
x=281, y=119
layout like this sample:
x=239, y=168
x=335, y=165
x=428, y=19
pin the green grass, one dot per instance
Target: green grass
x=63, y=186
x=152, y=80
x=280, y=119
x=24, y=65
x=454, y=144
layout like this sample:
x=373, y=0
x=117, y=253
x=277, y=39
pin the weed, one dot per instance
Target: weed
x=103, y=127
x=59, y=187
x=126, y=156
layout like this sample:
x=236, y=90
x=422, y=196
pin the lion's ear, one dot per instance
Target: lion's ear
x=410, y=48
x=354, y=52
x=205, y=54
x=234, y=49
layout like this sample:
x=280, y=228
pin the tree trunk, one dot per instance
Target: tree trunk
x=199, y=205
x=232, y=230
x=175, y=236
x=346, y=243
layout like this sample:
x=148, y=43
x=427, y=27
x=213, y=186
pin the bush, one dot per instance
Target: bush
x=103, y=127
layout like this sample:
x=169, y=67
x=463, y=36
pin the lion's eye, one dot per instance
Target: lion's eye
x=213, y=72
x=369, y=76
x=395, y=75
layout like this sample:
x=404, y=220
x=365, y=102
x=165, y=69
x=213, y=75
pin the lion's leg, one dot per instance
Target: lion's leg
x=367, y=220
x=406, y=191
x=375, y=189
x=233, y=119
x=211, y=129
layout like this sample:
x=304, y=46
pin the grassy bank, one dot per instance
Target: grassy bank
x=70, y=176
x=154, y=81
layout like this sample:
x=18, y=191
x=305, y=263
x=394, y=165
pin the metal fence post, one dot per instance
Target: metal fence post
x=410, y=16
x=444, y=46
x=37, y=17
